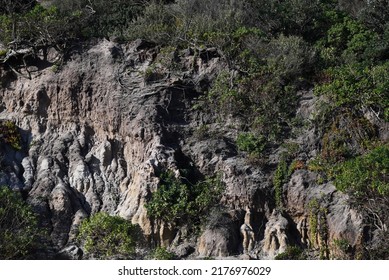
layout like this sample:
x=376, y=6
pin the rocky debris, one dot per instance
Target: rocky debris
x=70, y=253
x=99, y=130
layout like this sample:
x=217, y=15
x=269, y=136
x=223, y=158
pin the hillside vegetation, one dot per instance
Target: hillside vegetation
x=275, y=49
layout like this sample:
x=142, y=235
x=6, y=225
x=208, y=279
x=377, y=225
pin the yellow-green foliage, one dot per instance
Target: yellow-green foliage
x=359, y=85
x=105, y=236
x=279, y=179
x=318, y=229
x=365, y=174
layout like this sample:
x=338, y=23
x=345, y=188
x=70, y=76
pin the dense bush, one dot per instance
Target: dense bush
x=251, y=143
x=291, y=253
x=104, y=236
x=289, y=58
x=9, y=134
x=40, y=26
x=375, y=13
x=177, y=202
x=349, y=134
x=161, y=253
x=20, y=236
x=187, y=22
x=113, y=18
x=359, y=86
x=365, y=175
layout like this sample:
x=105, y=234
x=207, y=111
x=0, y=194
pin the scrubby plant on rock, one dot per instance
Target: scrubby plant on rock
x=20, y=236
x=103, y=236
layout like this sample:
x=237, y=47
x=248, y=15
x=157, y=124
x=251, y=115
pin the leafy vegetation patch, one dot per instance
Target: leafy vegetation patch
x=161, y=253
x=359, y=86
x=273, y=50
x=9, y=134
x=279, y=179
x=364, y=175
x=179, y=202
x=20, y=237
x=291, y=253
x=318, y=228
x=104, y=236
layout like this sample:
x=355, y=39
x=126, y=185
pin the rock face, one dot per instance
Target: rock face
x=98, y=129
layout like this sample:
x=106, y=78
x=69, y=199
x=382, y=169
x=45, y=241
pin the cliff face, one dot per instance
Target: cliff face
x=98, y=129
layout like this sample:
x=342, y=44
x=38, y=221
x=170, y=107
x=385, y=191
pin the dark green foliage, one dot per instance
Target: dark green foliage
x=249, y=97
x=360, y=86
x=40, y=26
x=104, y=236
x=9, y=134
x=113, y=18
x=176, y=201
x=291, y=253
x=346, y=40
x=250, y=143
x=156, y=24
x=279, y=179
x=19, y=232
x=160, y=253
x=224, y=95
x=293, y=17
x=365, y=174
x=375, y=14
x=57, y=22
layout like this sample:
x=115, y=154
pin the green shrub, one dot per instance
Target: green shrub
x=223, y=97
x=9, y=133
x=375, y=14
x=156, y=24
x=347, y=41
x=251, y=143
x=104, y=236
x=335, y=145
x=160, y=253
x=318, y=228
x=20, y=237
x=289, y=57
x=178, y=202
x=365, y=174
x=295, y=165
x=279, y=179
x=359, y=86
x=291, y=253
x=342, y=249
x=112, y=19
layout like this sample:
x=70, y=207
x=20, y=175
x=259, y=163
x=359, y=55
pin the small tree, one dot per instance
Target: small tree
x=104, y=236
x=19, y=232
x=11, y=9
x=178, y=202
